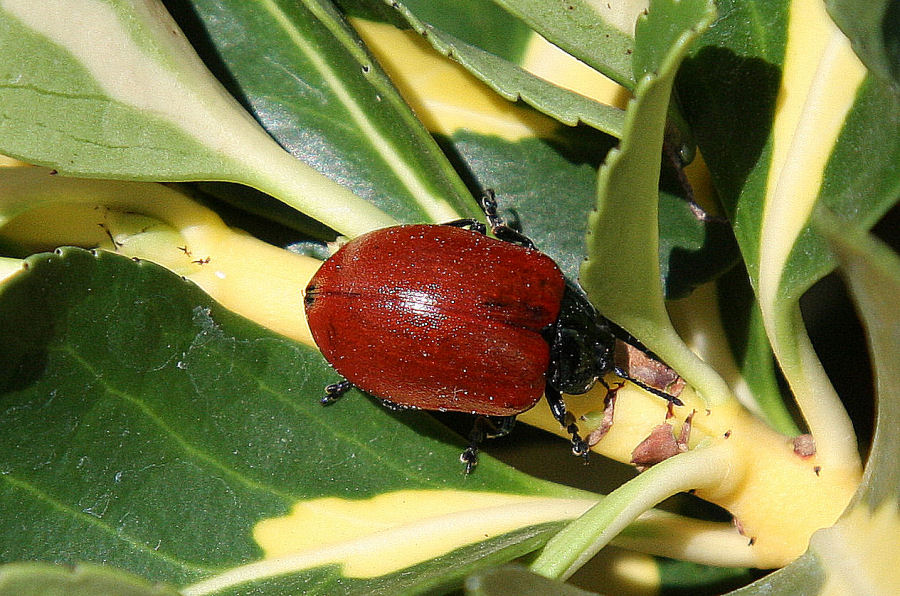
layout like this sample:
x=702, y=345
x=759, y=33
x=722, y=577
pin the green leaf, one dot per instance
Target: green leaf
x=875, y=33
x=512, y=579
x=727, y=90
x=513, y=82
x=68, y=104
x=623, y=238
x=732, y=76
x=692, y=249
x=472, y=21
x=818, y=123
x=599, y=34
x=26, y=579
x=544, y=188
x=742, y=321
x=861, y=182
x=693, y=578
x=303, y=74
x=674, y=576
x=803, y=576
x=745, y=54
x=147, y=428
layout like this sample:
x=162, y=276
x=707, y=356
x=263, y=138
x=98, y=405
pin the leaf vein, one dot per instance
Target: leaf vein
x=106, y=528
x=184, y=444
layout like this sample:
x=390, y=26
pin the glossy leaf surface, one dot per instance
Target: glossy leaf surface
x=621, y=247
x=506, y=75
x=147, y=428
x=304, y=75
x=599, y=34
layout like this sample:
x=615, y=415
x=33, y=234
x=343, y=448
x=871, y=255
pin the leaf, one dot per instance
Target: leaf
x=68, y=105
x=742, y=321
x=512, y=82
x=692, y=249
x=599, y=34
x=620, y=573
x=742, y=54
x=301, y=71
x=815, y=128
x=512, y=579
x=40, y=210
x=875, y=33
x=860, y=182
x=23, y=579
x=803, y=576
x=543, y=188
x=147, y=428
x=474, y=22
x=745, y=53
x=691, y=577
x=623, y=233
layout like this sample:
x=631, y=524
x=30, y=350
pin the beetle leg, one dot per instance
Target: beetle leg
x=484, y=428
x=500, y=427
x=334, y=391
x=476, y=436
x=498, y=226
x=565, y=418
x=468, y=224
x=470, y=456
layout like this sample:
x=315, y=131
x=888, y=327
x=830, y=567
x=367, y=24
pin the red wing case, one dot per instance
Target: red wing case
x=437, y=317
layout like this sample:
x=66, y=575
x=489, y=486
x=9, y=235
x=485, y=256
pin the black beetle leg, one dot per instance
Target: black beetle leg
x=565, y=419
x=498, y=226
x=476, y=436
x=468, y=224
x=484, y=428
x=334, y=392
x=500, y=427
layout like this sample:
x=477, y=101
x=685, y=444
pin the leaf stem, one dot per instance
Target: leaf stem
x=828, y=421
x=571, y=548
x=9, y=267
x=674, y=536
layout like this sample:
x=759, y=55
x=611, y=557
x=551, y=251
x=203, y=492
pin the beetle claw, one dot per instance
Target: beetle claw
x=334, y=392
x=579, y=446
x=470, y=458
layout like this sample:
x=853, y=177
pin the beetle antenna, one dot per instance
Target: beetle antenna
x=666, y=396
x=622, y=335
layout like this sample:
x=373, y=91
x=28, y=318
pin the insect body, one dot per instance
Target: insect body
x=442, y=317
x=438, y=317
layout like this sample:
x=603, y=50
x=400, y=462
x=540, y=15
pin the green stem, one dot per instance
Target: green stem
x=578, y=542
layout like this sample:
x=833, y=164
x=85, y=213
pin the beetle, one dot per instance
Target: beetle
x=443, y=317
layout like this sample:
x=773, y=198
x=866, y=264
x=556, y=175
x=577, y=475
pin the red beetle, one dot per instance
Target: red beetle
x=442, y=317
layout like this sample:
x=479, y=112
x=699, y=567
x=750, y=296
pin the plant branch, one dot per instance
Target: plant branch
x=571, y=548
